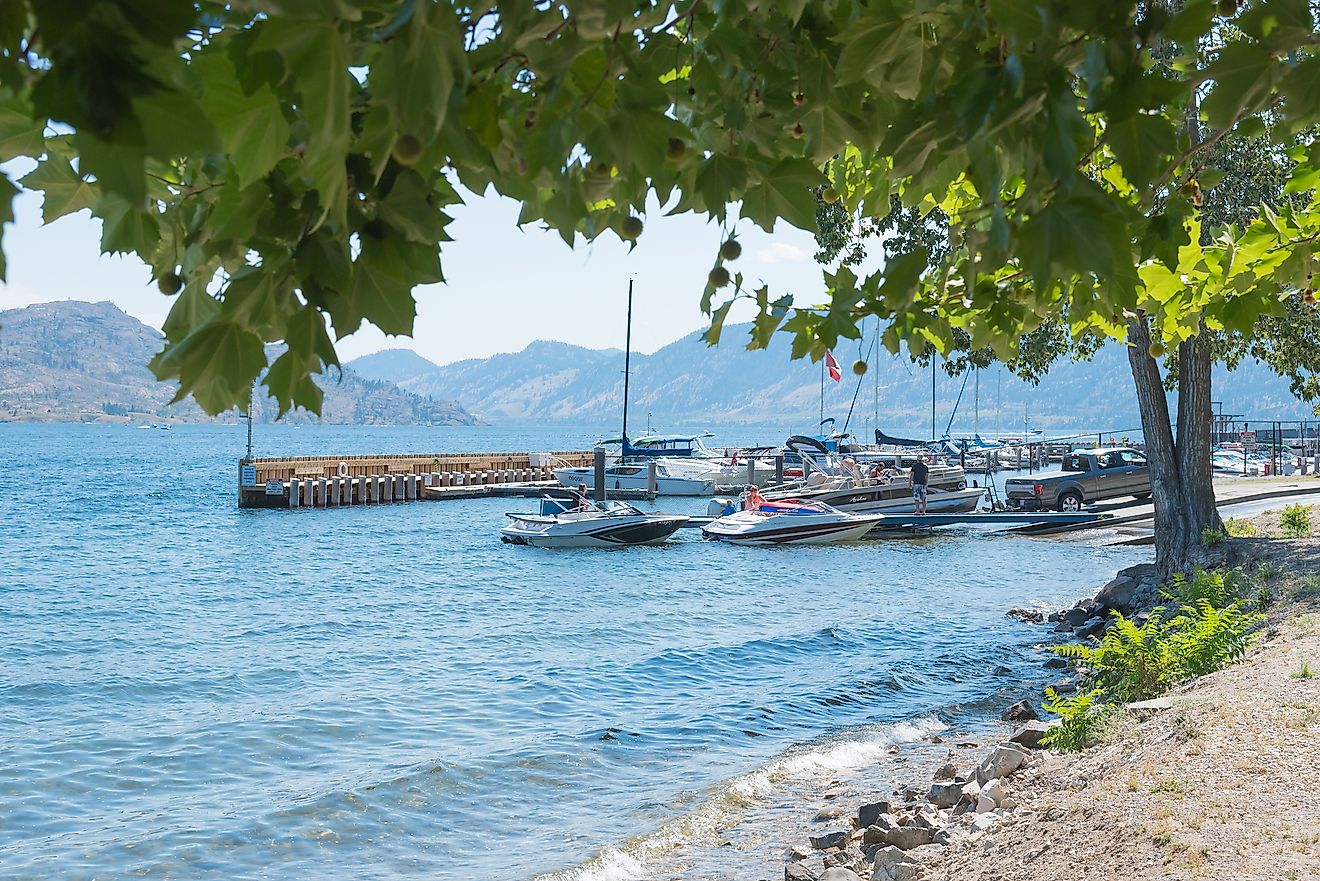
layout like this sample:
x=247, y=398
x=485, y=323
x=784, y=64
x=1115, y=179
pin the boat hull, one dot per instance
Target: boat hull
x=790, y=530
x=610, y=532
x=664, y=485
x=898, y=500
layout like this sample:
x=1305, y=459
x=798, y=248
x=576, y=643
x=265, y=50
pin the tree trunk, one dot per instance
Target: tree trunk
x=1180, y=470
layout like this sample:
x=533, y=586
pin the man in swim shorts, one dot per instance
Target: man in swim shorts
x=920, y=478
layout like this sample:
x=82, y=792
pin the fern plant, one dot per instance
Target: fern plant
x=1130, y=662
x=1219, y=588
x=1211, y=537
x=1203, y=639
x=1295, y=521
x=1079, y=720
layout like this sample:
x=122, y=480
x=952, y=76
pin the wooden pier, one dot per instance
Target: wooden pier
x=330, y=481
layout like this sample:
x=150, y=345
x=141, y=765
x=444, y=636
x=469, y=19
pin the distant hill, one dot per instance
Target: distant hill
x=688, y=384
x=72, y=361
x=393, y=365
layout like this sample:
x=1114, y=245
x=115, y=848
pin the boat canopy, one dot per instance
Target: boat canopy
x=881, y=438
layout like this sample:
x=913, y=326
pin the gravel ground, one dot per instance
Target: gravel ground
x=1223, y=782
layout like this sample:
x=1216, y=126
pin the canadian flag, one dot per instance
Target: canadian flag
x=832, y=366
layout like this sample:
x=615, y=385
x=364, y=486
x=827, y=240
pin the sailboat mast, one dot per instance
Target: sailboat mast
x=977, y=421
x=932, y=396
x=627, y=369
x=875, y=372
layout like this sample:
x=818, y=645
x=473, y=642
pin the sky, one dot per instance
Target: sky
x=505, y=287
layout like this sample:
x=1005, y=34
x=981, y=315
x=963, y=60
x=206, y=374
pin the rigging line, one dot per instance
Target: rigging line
x=966, y=375
x=857, y=390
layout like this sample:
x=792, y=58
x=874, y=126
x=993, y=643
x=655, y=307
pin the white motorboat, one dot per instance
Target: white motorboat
x=723, y=472
x=576, y=522
x=790, y=521
x=634, y=476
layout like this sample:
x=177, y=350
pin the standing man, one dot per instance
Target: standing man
x=920, y=478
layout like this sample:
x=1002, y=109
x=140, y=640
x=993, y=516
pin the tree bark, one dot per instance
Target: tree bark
x=1180, y=469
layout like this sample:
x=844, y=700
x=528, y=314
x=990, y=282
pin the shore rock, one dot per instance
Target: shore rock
x=869, y=814
x=1029, y=616
x=1064, y=686
x=1003, y=760
x=839, y=873
x=798, y=872
x=824, y=815
x=1093, y=627
x=1019, y=712
x=1056, y=663
x=945, y=793
x=947, y=771
x=799, y=852
x=995, y=791
x=894, y=864
x=1030, y=734
x=1063, y=627
x=1117, y=594
x=829, y=838
x=907, y=837
x=1076, y=616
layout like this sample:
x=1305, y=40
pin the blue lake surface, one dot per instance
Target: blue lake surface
x=192, y=691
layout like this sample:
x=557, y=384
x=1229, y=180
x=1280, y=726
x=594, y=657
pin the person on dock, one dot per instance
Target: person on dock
x=920, y=479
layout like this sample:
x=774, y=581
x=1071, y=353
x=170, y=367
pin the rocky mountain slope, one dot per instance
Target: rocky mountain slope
x=71, y=361
x=688, y=384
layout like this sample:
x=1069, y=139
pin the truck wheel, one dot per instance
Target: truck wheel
x=1070, y=501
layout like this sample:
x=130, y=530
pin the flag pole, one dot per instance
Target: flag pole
x=627, y=365
x=822, y=392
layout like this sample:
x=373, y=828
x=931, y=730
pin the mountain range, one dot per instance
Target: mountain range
x=71, y=361
x=688, y=384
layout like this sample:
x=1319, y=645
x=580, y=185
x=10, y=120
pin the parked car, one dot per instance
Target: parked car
x=1087, y=476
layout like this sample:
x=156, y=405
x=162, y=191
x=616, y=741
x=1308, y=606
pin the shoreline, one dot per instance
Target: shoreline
x=1151, y=800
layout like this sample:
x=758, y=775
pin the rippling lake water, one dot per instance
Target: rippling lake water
x=192, y=691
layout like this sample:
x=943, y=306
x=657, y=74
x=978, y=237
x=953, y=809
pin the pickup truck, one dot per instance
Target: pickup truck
x=1087, y=476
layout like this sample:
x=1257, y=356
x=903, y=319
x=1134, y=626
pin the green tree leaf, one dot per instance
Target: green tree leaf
x=252, y=127
x=65, y=192
x=784, y=192
x=125, y=229
x=217, y=364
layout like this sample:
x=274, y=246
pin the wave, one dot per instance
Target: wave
x=814, y=763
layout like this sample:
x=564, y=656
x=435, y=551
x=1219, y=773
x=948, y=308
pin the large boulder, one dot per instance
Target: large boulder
x=893, y=864
x=1092, y=627
x=839, y=873
x=1117, y=594
x=995, y=791
x=829, y=838
x=907, y=837
x=944, y=793
x=1003, y=760
x=1076, y=616
x=1030, y=734
x=1020, y=711
x=1056, y=663
x=798, y=872
x=868, y=814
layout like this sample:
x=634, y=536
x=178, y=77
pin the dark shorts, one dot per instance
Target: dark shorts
x=919, y=491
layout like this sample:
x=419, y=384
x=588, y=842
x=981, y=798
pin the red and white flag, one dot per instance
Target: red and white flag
x=832, y=366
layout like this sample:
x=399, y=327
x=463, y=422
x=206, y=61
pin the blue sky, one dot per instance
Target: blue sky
x=505, y=288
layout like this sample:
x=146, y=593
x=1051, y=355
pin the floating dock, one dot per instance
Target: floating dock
x=330, y=481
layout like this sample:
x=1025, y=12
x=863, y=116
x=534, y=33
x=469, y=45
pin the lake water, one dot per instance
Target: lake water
x=191, y=691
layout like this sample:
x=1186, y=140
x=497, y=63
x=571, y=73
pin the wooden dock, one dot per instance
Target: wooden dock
x=330, y=481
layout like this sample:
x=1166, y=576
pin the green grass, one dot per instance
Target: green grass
x=1239, y=528
x=1211, y=537
x=1295, y=521
x=1304, y=672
